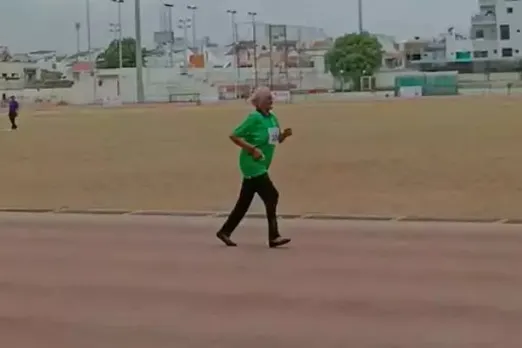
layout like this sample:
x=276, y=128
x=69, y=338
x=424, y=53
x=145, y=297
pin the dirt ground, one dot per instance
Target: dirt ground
x=456, y=157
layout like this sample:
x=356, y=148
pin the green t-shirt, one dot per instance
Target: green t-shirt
x=262, y=132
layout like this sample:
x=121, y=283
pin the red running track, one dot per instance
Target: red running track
x=108, y=282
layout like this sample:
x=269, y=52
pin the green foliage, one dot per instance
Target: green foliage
x=110, y=58
x=353, y=56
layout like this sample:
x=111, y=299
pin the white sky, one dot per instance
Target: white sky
x=27, y=25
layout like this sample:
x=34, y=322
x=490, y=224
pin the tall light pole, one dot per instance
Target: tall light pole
x=184, y=24
x=119, y=31
x=171, y=35
x=77, y=27
x=89, y=49
x=113, y=28
x=360, y=12
x=236, y=49
x=116, y=30
x=140, y=93
x=254, y=38
x=193, y=9
x=120, y=44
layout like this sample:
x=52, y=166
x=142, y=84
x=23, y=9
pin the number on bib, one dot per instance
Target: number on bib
x=273, y=135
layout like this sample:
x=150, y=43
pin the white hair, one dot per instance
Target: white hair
x=259, y=95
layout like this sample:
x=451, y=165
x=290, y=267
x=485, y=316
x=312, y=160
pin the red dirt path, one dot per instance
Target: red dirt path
x=110, y=282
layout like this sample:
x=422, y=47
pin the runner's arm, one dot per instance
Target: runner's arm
x=241, y=131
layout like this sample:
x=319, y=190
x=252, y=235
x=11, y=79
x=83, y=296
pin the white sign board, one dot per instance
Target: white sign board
x=410, y=92
x=278, y=31
x=281, y=96
x=112, y=102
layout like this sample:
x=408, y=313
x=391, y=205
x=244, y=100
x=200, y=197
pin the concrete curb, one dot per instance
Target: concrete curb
x=512, y=221
x=172, y=213
x=25, y=210
x=347, y=217
x=457, y=220
x=258, y=215
x=92, y=211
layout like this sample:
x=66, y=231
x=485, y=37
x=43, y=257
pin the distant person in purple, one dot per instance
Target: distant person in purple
x=13, y=112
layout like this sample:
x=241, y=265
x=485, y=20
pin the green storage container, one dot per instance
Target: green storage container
x=408, y=81
x=430, y=83
x=441, y=84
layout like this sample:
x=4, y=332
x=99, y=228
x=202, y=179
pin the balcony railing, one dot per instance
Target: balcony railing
x=487, y=2
x=482, y=19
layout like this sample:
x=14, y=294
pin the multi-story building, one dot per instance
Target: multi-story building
x=495, y=30
x=494, y=42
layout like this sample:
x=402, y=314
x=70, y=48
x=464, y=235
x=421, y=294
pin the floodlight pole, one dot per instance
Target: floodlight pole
x=77, y=26
x=140, y=93
x=360, y=13
x=171, y=35
x=254, y=38
x=236, y=50
x=193, y=9
x=92, y=59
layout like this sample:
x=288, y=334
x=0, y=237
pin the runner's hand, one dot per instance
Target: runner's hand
x=257, y=154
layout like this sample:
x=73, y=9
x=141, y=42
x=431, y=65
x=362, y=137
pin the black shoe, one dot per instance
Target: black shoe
x=225, y=239
x=279, y=241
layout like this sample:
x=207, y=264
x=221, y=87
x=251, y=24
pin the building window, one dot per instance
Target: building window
x=466, y=55
x=413, y=56
x=480, y=54
x=479, y=34
x=509, y=10
x=504, y=32
x=507, y=52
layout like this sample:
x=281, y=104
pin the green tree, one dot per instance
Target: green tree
x=109, y=59
x=353, y=56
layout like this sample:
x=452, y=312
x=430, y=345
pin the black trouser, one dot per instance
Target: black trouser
x=12, y=118
x=263, y=186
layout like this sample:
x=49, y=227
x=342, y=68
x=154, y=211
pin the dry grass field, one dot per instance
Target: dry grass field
x=457, y=157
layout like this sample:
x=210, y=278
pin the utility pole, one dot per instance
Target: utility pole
x=118, y=31
x=184, y=24
x=77, y=26
x=120, y=36
x=113, y=28
x=236, y=50
x=360, y=12
x=193, y=9
x=89, y=49
x=171, y=35
x=140, y=93
x=254, y=39
x=271, y=60
x=299, y=61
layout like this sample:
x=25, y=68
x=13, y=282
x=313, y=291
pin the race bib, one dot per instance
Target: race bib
x=273, y=135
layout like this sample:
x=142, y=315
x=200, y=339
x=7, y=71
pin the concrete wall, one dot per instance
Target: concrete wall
x=160, y=82
x=387, y=79
x=31, y=96
x=9, y=70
